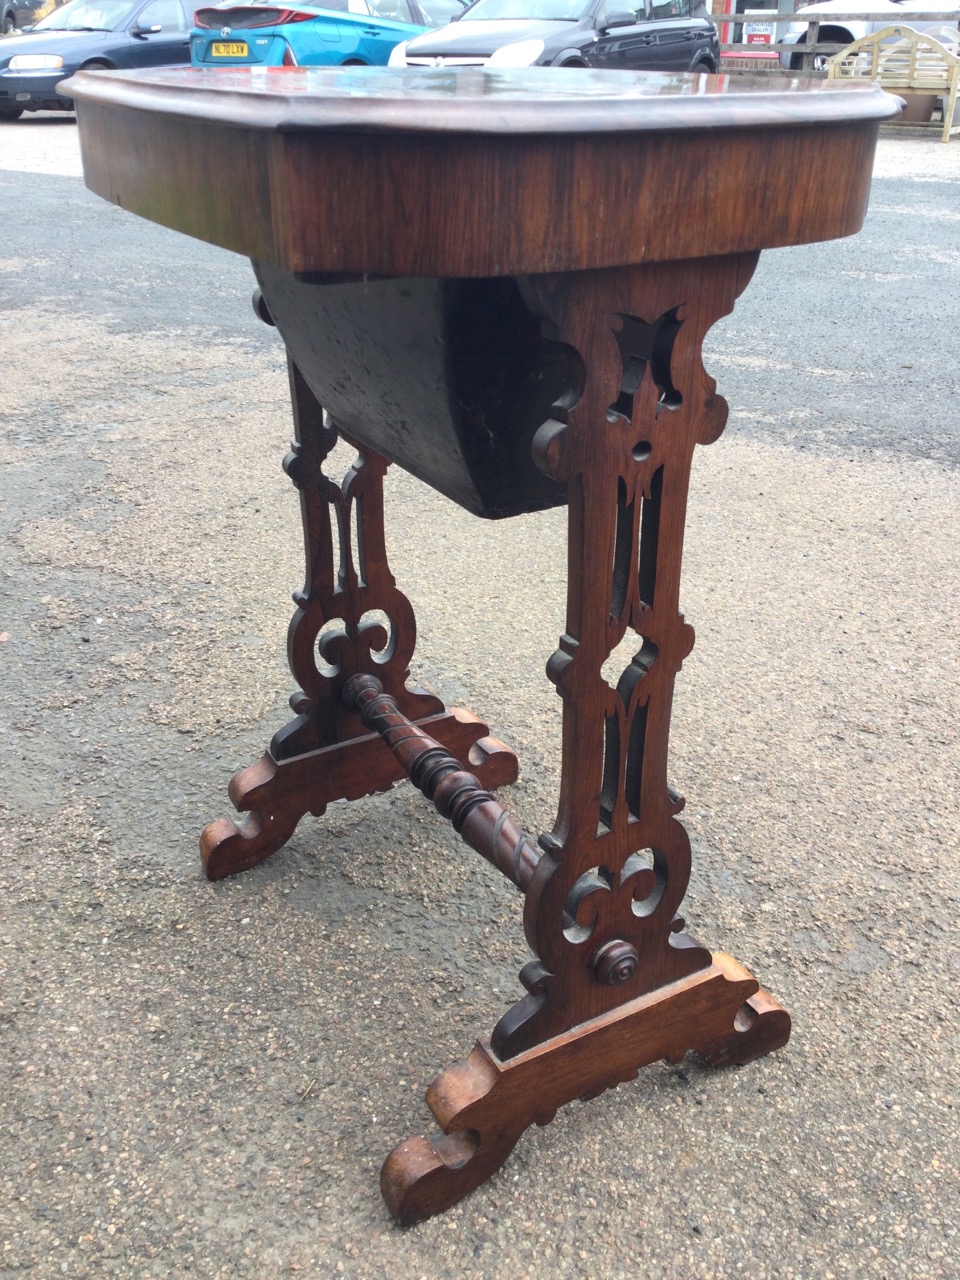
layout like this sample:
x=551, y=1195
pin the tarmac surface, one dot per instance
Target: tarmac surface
x=203, y=1079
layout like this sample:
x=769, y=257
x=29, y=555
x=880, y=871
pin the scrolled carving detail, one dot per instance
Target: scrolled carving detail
x=350, y=615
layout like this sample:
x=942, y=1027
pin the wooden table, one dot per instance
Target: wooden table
x=501, y=281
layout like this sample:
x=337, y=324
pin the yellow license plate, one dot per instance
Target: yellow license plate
x=229, y=49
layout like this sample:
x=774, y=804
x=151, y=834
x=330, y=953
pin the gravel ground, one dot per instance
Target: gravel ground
x=203, y=1079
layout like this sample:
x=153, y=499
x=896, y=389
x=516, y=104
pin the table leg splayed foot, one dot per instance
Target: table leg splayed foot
x=484, y=1103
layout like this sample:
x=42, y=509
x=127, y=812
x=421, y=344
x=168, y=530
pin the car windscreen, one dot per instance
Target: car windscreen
x=86, y=15
x=529, y=10
x=437, y=13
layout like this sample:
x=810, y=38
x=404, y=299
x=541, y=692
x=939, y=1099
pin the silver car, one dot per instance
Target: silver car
x=845, y=32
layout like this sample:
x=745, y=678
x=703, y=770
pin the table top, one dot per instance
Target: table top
x=472, y=171
x=570, y=100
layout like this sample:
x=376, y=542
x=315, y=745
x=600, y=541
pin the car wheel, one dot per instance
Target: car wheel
x=353, y=62
x=11, y=113
x=835, y=34
x=819, y=63
x=9, y=24
x=573, y=62
x=95, y=65
x=705, y=68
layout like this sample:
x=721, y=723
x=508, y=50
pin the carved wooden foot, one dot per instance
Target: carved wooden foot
x=484, y=1104
x=277, y=794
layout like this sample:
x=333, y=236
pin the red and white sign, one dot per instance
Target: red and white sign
x=758, y=32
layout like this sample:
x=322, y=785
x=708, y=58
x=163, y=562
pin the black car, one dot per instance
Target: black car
x=657, y=35
x=88, y=34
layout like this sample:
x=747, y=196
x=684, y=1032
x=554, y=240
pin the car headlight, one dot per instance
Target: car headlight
x=398, y=55
x=35, y=62
x=523, y=53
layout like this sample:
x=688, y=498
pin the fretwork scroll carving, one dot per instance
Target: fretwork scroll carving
x=350, y=615
x=602, y=909
x=350, y=619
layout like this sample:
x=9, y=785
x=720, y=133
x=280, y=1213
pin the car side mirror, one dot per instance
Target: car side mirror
x=620, y=18
x=148, y=28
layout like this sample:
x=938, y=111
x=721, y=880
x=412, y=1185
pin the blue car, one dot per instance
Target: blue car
x=340, y=33
x=87, y=35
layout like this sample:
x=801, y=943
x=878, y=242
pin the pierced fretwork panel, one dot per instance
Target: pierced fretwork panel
x=625, y=736
x=602, y=911
x=646, y=346
x=636, y=544
x=350, y=616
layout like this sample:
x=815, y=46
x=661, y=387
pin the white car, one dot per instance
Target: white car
x=844, y=32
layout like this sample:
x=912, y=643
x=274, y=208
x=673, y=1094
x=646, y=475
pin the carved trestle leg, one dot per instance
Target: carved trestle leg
x=616, y=983
x=350, y=618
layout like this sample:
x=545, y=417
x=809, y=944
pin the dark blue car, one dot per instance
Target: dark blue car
x=85, y=35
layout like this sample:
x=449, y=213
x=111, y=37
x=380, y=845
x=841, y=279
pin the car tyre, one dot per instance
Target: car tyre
x=819, y=62
x=9, y=24
x=96, y=65
x=11, y=113
x=836, y=34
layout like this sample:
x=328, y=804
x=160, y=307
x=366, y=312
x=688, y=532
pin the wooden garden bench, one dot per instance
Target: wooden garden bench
x=904, y=62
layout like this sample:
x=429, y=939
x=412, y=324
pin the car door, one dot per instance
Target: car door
x=677, y=41
x=620, y=45
x=159, y=35
x=392, y=21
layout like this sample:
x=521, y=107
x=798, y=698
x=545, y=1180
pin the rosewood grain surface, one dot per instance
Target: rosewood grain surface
x=624, y=215
x=483, y=1104
x=451, y=172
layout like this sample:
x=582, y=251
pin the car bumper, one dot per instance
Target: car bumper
x=34, y=90
x=261, y=51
